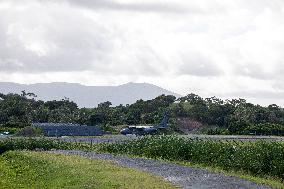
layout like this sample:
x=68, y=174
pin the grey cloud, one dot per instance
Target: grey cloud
x=263, y=97
x=261, y=5
x=74, y=48
x=252, y=70
x=134, y=6
x=69, y=59
x=140, y=60
x=75, y=43
x=278, y=84
x=258, y=94
x=176, y=7
x=198, y=65
x=257, y=71
x=150, y=61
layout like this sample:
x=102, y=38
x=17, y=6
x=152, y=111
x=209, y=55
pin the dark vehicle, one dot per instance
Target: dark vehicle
x=146, y=129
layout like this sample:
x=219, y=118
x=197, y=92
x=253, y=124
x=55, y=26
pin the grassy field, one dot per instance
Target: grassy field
x=25, y=169
x=259, y=161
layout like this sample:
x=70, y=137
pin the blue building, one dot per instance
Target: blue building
x=68, y=129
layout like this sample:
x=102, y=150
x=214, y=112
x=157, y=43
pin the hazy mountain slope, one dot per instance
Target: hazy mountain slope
x=88, y=96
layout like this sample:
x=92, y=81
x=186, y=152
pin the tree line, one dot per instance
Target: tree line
x=236, y=116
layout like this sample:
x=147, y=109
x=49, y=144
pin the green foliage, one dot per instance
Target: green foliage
x=33, y=170
x=33, y=143
x=11, y=130
x=30, y=132
x=235, y=116
x=108, y=128
x=258, y=158
x=19, y=111
x=15, y=124
x=265, y=129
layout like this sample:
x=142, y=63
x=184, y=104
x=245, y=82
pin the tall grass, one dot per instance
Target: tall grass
x=33, y=144
x=257, y=158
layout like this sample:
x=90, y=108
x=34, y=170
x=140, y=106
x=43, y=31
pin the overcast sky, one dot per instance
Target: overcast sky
x=226, y=48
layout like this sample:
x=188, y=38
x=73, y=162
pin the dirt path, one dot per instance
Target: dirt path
x=184, y=176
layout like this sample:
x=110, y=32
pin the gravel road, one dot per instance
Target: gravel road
x=182, y=176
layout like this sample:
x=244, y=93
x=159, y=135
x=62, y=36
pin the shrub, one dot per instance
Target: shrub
x=30, y=132
x=9, y=129
x=265, y=129
x=32, y=144
x=16, y=124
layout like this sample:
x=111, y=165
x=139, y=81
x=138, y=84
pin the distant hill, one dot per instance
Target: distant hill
x=88, y=96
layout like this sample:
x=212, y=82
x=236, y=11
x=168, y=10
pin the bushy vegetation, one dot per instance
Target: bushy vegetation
x=18, y=111
x=34, y=144
x=234, y=116
x=257, y=158
x=30, y=132
x=11, y=130
x=33, y=170
x=265, y=129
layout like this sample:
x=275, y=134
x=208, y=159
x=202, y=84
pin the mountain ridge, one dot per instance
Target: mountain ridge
x=88, y=96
